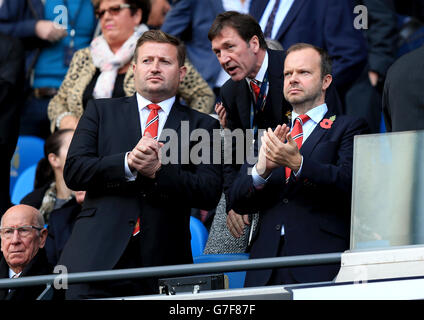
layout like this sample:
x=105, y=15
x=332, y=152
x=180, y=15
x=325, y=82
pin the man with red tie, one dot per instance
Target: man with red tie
x=136, y=211
x=301, y=184
x=253, y=97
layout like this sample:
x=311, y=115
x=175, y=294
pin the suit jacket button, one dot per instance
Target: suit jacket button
x=143, y=195
x=285, y=200
x=277, y=227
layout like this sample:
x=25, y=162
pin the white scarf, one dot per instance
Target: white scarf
x=109, y=63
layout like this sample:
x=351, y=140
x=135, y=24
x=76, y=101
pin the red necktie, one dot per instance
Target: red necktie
x=297, y=135
x=152, y=125
x=255, y=88
x=152, y=122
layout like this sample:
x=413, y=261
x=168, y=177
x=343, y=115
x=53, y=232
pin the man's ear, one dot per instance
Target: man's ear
x=254, y=43
x=43, y=237
x=326, y=81
x=183, y=71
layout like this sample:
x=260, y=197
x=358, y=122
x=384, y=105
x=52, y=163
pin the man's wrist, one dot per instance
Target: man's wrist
x=258, y=180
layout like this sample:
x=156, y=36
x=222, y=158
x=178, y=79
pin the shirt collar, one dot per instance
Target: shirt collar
x=166, y=105
x=12, y=273
x=316, y=114
x=261, y=73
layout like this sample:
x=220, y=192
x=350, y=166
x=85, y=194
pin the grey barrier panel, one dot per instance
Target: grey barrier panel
x=388, y=190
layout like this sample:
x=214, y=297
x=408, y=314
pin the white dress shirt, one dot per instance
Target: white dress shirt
x=144, y=111
x=236, y=5
x=12, y=274
x=261, y=73
x=259, y=77
x=283, y=9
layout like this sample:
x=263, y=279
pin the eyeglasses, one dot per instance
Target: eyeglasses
x=112, y=10
x=24, y=231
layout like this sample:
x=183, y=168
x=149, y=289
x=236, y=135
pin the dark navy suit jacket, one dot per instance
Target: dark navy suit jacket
x=95, y=162
x=237, y=99
x=314, y=208
x=327, y=24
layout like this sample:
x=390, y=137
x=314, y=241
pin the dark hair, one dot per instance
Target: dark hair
x=326, y=63
x=44, y=173
x=245, y=25
x=144, y=5
x=161, y=37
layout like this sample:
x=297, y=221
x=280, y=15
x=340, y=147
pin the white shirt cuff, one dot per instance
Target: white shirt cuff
x=296, y=174
x=129, y=175
x=258, y=181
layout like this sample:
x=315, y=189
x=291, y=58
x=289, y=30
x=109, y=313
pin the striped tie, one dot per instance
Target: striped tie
x=255, y=85
x=270, y=22
x=297, y=135
x=152, y=125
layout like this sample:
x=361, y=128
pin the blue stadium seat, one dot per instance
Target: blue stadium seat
x=29, y=150
x=24, y=184
x=235, y=279
x=382, y=125
x=199, y=236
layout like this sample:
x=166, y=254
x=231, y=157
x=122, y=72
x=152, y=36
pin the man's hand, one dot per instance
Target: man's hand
x=265, y=164
x=236, y=223
x=145, y=156
x=49, y=30
x=279, y=152
x=222, y=114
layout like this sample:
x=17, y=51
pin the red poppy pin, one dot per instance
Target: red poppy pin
x=327, y=123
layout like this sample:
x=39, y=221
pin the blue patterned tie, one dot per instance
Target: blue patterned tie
x=270, y=23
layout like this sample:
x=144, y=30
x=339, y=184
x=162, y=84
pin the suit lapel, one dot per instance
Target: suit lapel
x=133, y=119
x=173, y=122
x=244, y=103
x=217, y=5
x=291, y=15
x=257, y=9
x=275, y=94
x=314, y=138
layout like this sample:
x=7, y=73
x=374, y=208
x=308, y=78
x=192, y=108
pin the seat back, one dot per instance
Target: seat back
x=199, y=236
x=24, y=184
x=235, y=279
x=29, y=150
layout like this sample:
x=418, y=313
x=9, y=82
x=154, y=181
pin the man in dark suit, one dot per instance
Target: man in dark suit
x=403, y=98
x=328, y=24
x=302, y=196
x=136, y=211
x=239, y=44
x=22, y=240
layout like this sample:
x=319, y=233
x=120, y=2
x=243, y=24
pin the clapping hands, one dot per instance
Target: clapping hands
x=278, y=149
x=145, y=157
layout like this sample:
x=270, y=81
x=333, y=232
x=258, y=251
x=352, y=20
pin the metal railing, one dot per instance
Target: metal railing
x=175, y=270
